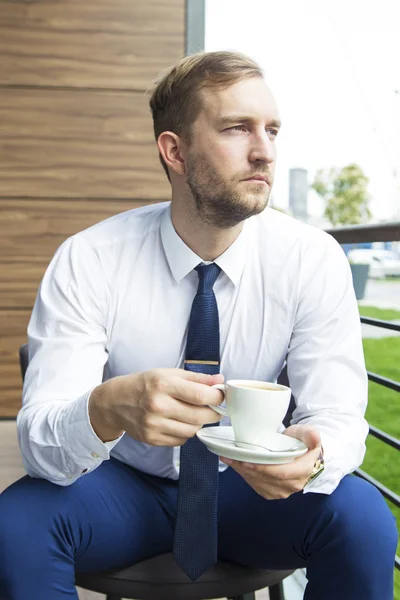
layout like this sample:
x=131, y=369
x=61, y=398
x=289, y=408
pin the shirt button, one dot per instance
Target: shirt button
x=85, y=470
x=95, y=455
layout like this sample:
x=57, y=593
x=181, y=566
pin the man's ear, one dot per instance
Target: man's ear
x=170, y=146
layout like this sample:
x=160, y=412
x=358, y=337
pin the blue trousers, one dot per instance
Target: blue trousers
x=116, y=516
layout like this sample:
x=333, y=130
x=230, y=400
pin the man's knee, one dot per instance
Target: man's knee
x=29, y=508
x=356, y=516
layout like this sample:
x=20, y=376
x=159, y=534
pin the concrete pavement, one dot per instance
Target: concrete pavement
x=371, y=331
x=382, y=294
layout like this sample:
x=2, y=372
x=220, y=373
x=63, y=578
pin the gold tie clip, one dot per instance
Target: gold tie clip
x=202, y=362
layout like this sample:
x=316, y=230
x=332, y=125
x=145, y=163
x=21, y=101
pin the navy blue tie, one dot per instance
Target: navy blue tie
x=195, y=539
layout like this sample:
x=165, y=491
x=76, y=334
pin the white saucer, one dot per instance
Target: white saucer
x=221, y=440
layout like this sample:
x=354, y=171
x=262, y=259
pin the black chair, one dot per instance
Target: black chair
x=160, y=577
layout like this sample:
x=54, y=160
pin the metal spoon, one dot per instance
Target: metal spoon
x=211, y=437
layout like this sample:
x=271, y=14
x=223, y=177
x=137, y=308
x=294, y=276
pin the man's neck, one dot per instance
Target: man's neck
x=204, y=239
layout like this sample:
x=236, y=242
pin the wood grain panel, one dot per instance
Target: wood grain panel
x=11, y=467
x=19, y=283
x=78, y=144
x=32, y=230
x=13, y=326
x=95, y=43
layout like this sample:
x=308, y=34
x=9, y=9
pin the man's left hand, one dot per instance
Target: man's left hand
x=274, y=482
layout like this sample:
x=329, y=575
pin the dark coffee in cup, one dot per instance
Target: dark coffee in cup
x=261, y=386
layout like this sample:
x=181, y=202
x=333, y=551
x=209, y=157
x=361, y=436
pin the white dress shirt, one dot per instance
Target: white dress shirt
x=116, y=299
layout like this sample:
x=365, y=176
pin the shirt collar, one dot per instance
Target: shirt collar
x=182, y=260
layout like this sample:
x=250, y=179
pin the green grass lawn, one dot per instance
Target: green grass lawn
x=385, y=314
x=382, y=356
x=389, y=279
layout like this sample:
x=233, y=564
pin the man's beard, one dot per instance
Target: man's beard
x=217, y=203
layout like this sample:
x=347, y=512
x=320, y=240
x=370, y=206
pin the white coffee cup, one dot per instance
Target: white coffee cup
x=256, y=409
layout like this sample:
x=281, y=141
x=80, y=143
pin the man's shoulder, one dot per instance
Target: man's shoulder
x=133, y=224
x=287, y=228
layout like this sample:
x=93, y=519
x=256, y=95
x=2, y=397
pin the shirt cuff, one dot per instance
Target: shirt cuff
x=326, y=482
x=335, y=468
x=80, y=441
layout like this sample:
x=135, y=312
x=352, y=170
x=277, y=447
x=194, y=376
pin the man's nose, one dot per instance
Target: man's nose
x=262, y=149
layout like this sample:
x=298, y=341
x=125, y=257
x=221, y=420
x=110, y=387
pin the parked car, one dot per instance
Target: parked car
x=382, y=263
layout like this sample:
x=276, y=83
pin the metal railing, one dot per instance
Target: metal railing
x=375, y=233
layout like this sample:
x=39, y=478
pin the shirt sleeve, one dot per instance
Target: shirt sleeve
x=326, y=367
x=67, y=353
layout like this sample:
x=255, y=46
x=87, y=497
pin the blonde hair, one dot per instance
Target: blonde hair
x=176, y=100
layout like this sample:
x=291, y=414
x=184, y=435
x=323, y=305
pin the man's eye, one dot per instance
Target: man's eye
x=272, y=133
x=238, y=128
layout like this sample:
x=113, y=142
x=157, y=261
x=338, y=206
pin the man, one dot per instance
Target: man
x=118, y=305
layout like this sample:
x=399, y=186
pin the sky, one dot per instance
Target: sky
x=334, y=69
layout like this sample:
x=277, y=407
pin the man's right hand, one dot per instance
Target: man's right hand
x=161, y=407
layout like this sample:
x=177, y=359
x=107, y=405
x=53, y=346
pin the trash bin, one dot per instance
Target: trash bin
x=360, y=273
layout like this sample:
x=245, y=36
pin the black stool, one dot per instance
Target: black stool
x=160, y=578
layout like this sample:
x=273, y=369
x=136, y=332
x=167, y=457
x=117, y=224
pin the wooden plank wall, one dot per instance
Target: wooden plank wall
x=76, y=142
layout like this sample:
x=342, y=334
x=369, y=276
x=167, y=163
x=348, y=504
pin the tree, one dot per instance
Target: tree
x=345, y=193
